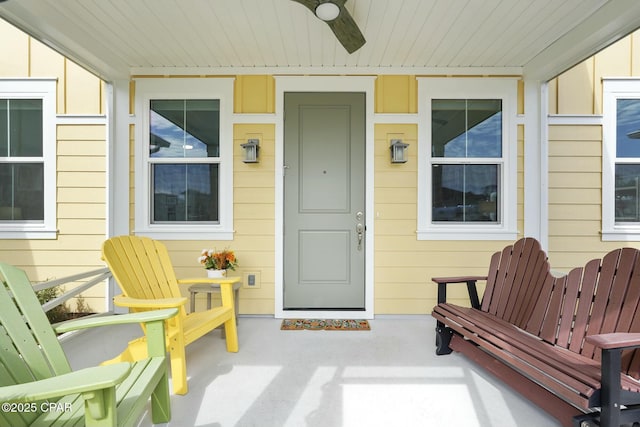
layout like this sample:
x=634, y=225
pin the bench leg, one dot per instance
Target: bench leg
x=610, y=379
x=443, y=338
x=586, y=420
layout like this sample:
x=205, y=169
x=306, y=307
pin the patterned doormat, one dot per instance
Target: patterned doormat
x=325, y=325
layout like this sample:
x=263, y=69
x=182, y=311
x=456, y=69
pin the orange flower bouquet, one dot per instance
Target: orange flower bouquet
x=218, y=260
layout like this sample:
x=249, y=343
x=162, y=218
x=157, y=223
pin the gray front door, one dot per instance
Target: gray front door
x=324, y=201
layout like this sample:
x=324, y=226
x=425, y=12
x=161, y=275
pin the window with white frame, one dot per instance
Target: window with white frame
x=467, y=159
x=621, y=159
x=184, y=158
x=27, y=158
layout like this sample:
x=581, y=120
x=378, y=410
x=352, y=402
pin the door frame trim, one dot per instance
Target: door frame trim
x=284, y=84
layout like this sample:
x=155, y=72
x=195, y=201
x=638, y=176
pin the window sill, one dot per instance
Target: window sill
x=175, y=234
x=28, y=234
x=466, y=234
x=624, y=235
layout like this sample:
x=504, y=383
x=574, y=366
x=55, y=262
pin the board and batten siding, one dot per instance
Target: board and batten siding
x=81, y=167
x=575, y=154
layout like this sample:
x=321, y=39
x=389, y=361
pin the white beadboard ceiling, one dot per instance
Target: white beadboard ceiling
x=119, y=38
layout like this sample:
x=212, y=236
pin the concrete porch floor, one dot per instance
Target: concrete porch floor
x=389, y=376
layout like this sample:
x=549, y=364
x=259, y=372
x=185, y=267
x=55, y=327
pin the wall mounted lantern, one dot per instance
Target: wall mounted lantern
x=251, y=148
x=398, y=151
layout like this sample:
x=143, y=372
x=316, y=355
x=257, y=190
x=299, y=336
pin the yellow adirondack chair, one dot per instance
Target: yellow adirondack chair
x=144, y=272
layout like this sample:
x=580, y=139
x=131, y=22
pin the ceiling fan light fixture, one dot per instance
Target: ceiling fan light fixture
x=327, y=11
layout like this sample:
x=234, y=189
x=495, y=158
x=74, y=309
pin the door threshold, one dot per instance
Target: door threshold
x=325, y=314
x=324, y=309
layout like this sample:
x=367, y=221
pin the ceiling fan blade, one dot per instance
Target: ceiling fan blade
x=344, y=27
x=310, y=4
x=347, y=31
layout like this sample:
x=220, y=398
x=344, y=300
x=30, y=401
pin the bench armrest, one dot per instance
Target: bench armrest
x=616, y=340
x=458, y=279
x=471, y=287
x=612, y=345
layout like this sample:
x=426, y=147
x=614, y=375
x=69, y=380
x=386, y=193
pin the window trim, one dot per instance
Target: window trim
x=614, y=89
x=183, y=88
x=504, y=89
x=44, y=89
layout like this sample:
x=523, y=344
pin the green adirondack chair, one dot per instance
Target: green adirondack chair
x=37, y=386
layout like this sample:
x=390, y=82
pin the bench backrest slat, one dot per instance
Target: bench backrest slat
x=492, y=276
x=518, y=303
x=601, y=297
x=571, y=293
x=520, y=257
x=516, y=278
x=540, y=306
x=549, y=329
x=499, y=282
x=608, y=270
x=538, y=273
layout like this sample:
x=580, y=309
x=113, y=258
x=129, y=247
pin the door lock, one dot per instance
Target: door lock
x=360, y=232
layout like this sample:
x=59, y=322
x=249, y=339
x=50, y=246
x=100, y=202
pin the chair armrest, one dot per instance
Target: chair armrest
x=226, y=287
x=129, y=302
x=118, y=319
x=616, y=340
x=612, y=345
x=81, y=381
x=471, y=287
x=208, y=280
x=458, y=279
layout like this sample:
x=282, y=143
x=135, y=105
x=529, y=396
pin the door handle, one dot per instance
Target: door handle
x=360, y=233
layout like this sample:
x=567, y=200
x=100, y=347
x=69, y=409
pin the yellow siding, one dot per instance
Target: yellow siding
x=576, y=90
x=614, y=61
x=14, y=52
x=403, y=265
x=254, y=239
x=395, y=212
x=553, y=96
x=254, y=94
x=520, y=178
x=575, y=166
x=48, y=63
x=396, y=94
x=83, y=91
x=575, y=156
x=635, y=54
x=579, y=90
x=81, y=163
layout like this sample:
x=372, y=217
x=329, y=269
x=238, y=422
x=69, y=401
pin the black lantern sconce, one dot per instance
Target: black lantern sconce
x=251, y=148
x=398, y=151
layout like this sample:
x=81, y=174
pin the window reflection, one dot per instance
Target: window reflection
x=22, y=191
x=465, y=193
x=466, y=128
x=627, y=175
x=185, y=192
x=628, y=128
x=184, y=128
x=21, y=183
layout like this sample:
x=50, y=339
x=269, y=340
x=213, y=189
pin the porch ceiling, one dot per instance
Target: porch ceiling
x=119, y=38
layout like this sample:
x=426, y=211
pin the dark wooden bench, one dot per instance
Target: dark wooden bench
x=566, y=343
